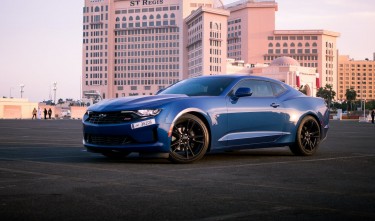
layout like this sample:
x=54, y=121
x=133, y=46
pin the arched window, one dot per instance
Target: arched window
x=285, y=45
x=278, y=45
x=151, y=16
x=314, y=44
x=158, y=16
x=165, y=16
x=144, y=17
x=117, y=19
x=137, y=18
x=307, y=44
x=97, y=9
x=292, y=45
x=131, y=18
x=270, y=45
x=300, y=44
x=216, y=26
x=172, y=15
x=123, y=18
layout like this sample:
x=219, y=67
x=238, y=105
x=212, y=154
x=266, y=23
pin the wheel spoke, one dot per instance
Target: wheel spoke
x=192, y=153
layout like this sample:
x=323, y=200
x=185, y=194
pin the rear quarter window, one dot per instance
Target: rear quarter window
x=278, y=89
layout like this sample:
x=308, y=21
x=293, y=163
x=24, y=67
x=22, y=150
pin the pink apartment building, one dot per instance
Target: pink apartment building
x=252, y=38
x=136, y=47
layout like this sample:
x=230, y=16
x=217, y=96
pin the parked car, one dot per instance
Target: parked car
x=210, y=113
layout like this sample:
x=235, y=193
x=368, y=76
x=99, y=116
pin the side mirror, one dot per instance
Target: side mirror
x=243, y=92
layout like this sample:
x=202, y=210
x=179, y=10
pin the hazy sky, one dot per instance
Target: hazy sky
x=40, y=40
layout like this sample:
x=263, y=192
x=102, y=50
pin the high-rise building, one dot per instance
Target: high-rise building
x=311, y=48
x=134, y=47
x=356, y=75
x=137, y=47
x=252, y=38
x=206, y=42
x=249, y=24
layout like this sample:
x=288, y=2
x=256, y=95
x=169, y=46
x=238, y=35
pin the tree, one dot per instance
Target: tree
x=327, y=94
x=350, y=95
x=60, y=101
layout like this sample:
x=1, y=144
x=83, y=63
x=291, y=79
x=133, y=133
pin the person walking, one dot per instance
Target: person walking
x=45, y=113
x=372, y=115
x=49, y=113
x=34, y=113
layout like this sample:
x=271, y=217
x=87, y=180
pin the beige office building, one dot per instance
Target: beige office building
x=356, y=75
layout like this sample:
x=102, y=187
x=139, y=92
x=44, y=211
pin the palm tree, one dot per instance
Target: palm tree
x=350, y=95
x=327, y=93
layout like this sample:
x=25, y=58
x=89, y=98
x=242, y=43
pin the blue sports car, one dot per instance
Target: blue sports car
x=210, y=113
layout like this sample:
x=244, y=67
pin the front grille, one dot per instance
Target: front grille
x=108, y=140
x=111, y=117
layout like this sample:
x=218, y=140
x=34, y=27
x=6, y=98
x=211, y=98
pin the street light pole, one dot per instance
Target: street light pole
x=10, y=92
x=22, y=86
x=54, y=90
x=364, y=109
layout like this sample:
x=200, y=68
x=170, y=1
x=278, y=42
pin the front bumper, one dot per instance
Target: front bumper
x=125, y=138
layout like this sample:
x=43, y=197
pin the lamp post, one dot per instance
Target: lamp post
x=364, y=109
x=10, y=92
x=22, y=86
x=54, y=90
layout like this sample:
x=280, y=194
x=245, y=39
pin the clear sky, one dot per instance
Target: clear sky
x=40, y=40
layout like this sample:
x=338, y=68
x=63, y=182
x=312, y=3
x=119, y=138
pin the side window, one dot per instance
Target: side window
x=260, y=88
x=277, y=89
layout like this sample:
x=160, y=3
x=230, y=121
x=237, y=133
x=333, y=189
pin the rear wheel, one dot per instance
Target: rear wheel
x=190, y=139
x=308, y=137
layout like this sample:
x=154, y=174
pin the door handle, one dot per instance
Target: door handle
x=274, y=105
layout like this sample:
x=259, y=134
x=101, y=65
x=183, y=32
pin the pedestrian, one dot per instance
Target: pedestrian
x=45, y=113
x=49, y=113
x=372, y=115
x=34, y=113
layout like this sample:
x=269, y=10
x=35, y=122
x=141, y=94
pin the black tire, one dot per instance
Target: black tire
x=115, y=155
x=307, y=137
x=189, y=141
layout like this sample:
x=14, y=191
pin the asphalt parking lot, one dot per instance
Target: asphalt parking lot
x=45, y=174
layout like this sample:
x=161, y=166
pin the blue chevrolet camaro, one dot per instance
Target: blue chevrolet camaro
x=210, y=113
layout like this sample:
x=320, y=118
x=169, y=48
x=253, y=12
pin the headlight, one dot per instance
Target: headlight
x=148, y=112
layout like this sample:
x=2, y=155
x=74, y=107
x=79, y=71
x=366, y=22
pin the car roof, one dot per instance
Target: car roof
x=241, y=76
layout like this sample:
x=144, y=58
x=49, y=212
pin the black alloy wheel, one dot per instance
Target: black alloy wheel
x=308, y=137
x=190, y=139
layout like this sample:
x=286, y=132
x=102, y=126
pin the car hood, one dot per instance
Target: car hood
x=134, y=103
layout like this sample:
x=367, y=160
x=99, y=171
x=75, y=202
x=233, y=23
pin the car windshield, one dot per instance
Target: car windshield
x=202, y=86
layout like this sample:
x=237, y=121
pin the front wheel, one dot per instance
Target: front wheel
x=308, y=137
x=189, y=141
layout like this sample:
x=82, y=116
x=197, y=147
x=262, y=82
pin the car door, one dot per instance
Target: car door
x=254, y=119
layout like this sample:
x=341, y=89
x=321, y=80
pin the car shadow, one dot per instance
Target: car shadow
x=135, y=158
